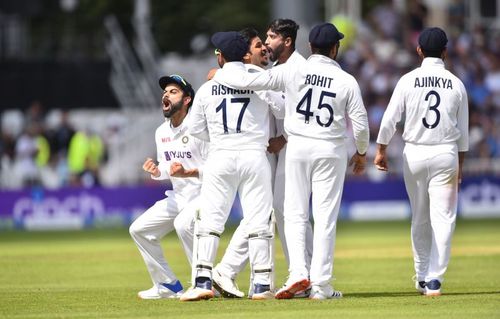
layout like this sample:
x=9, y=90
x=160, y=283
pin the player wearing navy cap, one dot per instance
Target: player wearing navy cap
x=319, y=96
x=236, y=256
x=179, y=155
x=236, y=122
x=434, y=104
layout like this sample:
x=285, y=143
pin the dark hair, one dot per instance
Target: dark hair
x=286, y=28
x=432, y=54
x=323, y=51
x=248, y=34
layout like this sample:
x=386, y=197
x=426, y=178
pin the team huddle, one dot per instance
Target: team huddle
x=248, y=129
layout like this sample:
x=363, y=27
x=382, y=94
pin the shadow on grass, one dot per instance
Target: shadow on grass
x=409, y=293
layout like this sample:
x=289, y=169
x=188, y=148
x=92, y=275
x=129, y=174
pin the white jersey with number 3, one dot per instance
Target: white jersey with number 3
x=433, y=103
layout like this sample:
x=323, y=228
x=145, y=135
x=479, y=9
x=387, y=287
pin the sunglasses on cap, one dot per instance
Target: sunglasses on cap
x=178, y=78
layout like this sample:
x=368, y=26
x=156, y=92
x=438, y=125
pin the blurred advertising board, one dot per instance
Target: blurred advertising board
x=77, y=208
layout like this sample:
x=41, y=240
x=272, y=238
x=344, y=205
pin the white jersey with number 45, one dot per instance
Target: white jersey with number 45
x=319, y=97
x=433, y=103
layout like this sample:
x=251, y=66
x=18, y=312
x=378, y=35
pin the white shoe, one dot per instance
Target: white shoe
x=291, y=288
x=262, y=292
x=197, y=293
x=419, y=285
x=159, y=292
x=225, y=285
x=324, y=292
x=263, y=295
x=303, y=294
x=433, y=288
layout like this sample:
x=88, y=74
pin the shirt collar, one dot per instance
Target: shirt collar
x=323, y=59
x=433, y=62
x=229, y=66
x=250, y=66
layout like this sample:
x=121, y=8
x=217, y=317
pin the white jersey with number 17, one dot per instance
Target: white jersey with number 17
x=433, y=103
x=231, y=119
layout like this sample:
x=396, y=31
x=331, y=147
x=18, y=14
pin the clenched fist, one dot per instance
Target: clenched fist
x=150, y=167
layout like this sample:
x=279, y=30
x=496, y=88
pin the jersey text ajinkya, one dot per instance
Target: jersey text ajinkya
x=434, y=82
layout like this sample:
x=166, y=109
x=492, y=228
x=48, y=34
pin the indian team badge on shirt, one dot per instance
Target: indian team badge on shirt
x=185, y=139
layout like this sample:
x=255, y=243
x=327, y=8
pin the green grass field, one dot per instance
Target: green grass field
x=97, y=273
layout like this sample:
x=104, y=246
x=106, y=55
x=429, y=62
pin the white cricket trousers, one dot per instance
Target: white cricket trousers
x=248, y=173
x=278, y=205
x=317, y=167
x=431, y=179
x=156, y=222
x=236, y=256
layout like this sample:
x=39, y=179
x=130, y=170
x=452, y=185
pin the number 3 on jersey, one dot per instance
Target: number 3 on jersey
x=433, y=108
x=222, y=107
x=304, y=107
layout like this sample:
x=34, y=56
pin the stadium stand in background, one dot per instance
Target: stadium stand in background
x=36, y=138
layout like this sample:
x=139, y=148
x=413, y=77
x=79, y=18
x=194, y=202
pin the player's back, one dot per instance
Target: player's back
x=431, y=97
x=236, y=119
x=319, y=93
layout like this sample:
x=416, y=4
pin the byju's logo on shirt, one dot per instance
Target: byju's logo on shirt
x=171, y=155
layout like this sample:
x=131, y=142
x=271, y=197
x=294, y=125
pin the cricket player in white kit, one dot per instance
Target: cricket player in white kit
x=280, y=41
x=319, y=95
x=236, y=122
x=181, y=158
x=236, y=256
x=434, y=104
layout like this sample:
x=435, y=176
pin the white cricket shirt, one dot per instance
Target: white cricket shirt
x=319, y=96
x=231, y=119
x=295, y=58
x=175, y=144
x=434, y=105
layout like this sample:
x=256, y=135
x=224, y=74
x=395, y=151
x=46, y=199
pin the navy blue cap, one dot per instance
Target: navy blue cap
x=432, y=40
x=180, y=81
x=324, y=35
x=231, y=44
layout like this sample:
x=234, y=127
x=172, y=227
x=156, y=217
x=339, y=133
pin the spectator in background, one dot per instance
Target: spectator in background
x=59, y=140
x=35, y=113
x=26, y=151
x=85, y=154
x=385, y=19
x=417, y=15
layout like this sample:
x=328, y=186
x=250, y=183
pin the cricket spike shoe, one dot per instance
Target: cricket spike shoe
x=262, y=292
x=420, y=286
x=324, y=292
x=433, y=288
x=225, y=285
x=201, y=291
x=162, y=290
x=291, y=288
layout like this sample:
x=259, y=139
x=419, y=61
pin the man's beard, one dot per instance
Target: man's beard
x=174, y=108
x=274, y=54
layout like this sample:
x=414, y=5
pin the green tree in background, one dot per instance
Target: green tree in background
x=175, y=23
